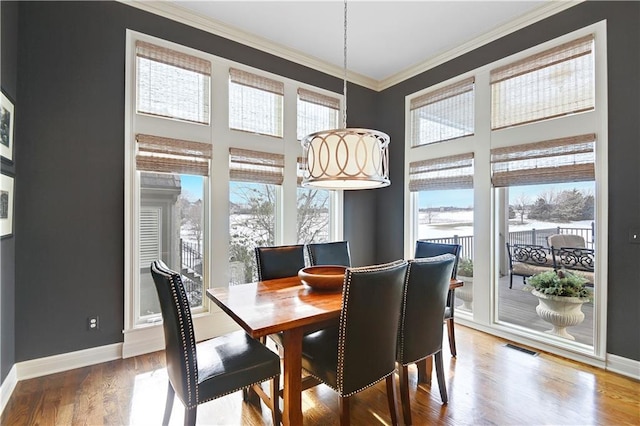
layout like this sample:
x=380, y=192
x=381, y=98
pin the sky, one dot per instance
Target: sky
x=192, y=187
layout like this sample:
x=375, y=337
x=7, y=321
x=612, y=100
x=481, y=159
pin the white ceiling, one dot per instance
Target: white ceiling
x=387, y=40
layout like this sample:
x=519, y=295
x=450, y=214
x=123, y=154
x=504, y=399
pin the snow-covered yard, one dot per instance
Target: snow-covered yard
x=460, y=222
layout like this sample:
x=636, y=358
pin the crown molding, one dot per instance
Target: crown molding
x=175, y=13
x=195, y=20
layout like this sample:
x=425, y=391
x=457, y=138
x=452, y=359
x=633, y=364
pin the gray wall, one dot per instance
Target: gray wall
x=9, y=83
x=623, y=50
x=69, y=259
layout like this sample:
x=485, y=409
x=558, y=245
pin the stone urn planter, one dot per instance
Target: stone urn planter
x=560, y=311
x=465, y=293
x=560, y=295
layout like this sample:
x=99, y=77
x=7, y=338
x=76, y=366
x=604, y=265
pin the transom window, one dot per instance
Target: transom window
x=255, y=103
x=443, y=114
x=172, y=84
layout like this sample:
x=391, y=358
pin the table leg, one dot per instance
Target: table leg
x=424, y=370
x=292, y=393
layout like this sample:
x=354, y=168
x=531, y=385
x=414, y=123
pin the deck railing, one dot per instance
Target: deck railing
x=530, y=236
x=191, y=271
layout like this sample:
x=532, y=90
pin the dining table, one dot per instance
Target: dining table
x=286, y=306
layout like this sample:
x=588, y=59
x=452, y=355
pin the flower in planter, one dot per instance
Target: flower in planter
x=465, y=267
x=559, y=283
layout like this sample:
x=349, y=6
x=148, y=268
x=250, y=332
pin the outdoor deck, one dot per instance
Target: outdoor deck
x=517, y=306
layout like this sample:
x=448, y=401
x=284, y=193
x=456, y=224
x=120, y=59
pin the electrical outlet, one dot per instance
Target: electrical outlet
x=93, y=323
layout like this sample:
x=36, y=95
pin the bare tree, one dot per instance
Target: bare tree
x=520, y=205
x=253, y=220
x=313, y=215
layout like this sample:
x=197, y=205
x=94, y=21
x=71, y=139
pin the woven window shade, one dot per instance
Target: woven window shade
x=172, y=57
x=316, y=112
x=552, y=83
x=166, y=155
x=443, y=114
x=318, y=99
x=452, y=172
x=553, y=161
x=255, y=103
x=256, y=166
x=256, y=81
x=172, y=84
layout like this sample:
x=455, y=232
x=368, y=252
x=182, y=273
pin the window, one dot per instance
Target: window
x=553, y=83
x=204, y=186
x=443, y=189
x=548, y=188
x=172, y=177
x=536, y=167
x=172, y=84
x=255, y=103
x=254, y=196
x=443, y=114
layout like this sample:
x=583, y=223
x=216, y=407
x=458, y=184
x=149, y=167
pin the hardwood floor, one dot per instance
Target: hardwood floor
x=488, y=384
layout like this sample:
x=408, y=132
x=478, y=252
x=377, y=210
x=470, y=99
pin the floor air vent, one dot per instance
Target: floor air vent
x=518, y=348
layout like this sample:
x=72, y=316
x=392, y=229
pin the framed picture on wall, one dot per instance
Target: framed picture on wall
x=7, y=128
x=6, y=205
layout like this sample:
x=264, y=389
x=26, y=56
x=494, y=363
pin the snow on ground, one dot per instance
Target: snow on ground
x=460, y=222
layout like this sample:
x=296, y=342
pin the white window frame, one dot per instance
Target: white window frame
x=210, y=321
x=485, y=293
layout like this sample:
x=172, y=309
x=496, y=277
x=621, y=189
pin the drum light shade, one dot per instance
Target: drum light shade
x=346, y=159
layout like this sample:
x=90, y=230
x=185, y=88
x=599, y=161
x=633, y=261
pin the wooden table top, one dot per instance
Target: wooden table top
x=267, y=307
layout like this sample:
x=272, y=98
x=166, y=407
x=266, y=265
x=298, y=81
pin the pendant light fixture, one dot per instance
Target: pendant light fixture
x=346, y=159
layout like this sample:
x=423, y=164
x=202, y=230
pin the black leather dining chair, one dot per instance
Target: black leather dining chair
x=279, y=261
x=361, y=350
x=334, y=253
x=204, y=371
x=420, y=336
x=429, y=249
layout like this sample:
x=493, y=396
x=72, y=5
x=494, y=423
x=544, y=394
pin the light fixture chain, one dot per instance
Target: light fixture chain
x=344, y=88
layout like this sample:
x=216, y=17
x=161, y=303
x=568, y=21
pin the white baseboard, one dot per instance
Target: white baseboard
x=67, y=361
x=144, y=340
x=625, y=366
x=7, y=387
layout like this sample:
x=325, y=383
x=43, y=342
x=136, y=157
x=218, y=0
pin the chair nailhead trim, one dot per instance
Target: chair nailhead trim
x=343, y=322
x=259, y=262
x=237, y=389
x=192, y=367
x=403, y=314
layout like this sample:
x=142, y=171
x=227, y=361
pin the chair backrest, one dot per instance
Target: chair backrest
x=423, y=304
x=279, y=261
x=429, y=249
x=179, y=338
x=566, y=240
x=531, y=254
x=335, y=253
x=368, y=329
x=576, y=259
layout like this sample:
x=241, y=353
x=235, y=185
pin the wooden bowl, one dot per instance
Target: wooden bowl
x=324, y=277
